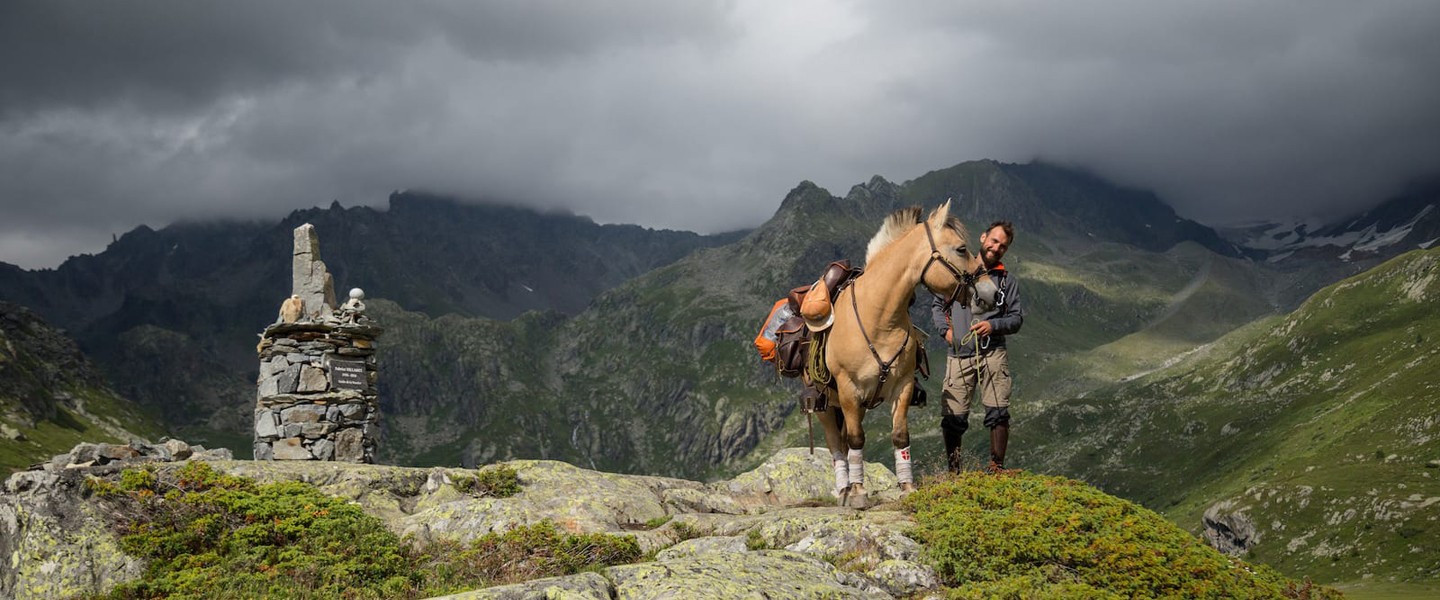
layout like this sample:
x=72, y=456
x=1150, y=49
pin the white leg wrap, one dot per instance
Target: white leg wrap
x=857, y=466
x=842, y=472
x=902, y=466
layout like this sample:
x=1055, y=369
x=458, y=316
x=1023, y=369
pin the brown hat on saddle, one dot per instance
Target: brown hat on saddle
x=816, y=308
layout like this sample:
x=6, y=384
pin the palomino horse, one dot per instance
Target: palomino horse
x=871, y=348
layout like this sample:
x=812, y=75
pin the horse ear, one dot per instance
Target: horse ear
x=942, y=214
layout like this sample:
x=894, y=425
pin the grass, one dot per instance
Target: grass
x=1295, y=419
x=48, y=438
x=1370, y=590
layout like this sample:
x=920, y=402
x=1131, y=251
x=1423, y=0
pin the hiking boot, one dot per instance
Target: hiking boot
x=999, y=439
x=994, y=468
x=952, y=428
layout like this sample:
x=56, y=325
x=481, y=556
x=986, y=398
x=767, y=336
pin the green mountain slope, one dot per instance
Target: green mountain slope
x=658, y=374
x=52, y=398
x=653, y=372
x=1318, y=429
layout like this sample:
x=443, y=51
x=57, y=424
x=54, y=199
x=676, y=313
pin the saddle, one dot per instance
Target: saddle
x=795, y=334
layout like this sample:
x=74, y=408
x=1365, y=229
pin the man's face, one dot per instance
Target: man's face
x=993, y=245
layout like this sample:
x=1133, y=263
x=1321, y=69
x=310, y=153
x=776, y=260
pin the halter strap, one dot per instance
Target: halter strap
x=963, y=280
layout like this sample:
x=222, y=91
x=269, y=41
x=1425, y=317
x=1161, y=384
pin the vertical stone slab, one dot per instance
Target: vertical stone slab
x=309, y=278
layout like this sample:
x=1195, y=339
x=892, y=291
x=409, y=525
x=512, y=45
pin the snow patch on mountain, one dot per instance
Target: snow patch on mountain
x=1280, y=240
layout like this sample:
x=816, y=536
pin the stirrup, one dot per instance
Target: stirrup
x=812, y=401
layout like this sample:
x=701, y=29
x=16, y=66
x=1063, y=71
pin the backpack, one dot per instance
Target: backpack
x=765, y=341
x=784, y=341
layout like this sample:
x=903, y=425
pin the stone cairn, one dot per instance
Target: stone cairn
x=317, y=398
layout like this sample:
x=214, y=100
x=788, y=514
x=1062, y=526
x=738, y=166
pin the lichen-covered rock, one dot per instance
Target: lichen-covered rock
x=773, y=574
x=869, y=541
x=795, y=475
x=68, y=550
x=904, y=578
x=578, y=500
x=55, y=544
x=689, y=499
x=715, y=544
x=584, y=586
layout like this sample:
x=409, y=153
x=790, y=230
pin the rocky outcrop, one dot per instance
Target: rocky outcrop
x=1229, y=529
x=770, y=531
x=55, y=542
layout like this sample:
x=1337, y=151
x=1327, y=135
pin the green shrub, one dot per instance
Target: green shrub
x=205, y=534
x=526, y=553
x=754, y=540
x=1023, y=536
x=499, y=481
x=684, y=530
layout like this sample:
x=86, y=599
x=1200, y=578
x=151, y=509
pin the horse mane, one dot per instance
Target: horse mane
x=900, y=222
x=894, y=226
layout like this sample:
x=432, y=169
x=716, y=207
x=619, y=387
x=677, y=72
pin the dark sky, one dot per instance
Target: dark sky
x=691, y=115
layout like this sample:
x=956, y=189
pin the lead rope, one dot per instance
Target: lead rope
x=815, y=367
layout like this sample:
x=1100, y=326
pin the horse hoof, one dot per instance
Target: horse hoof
x=855, y=497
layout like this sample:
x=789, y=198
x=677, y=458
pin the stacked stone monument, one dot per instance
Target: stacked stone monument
x=317, y=398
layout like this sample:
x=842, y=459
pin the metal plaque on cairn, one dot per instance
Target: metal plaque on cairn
x=316, y=397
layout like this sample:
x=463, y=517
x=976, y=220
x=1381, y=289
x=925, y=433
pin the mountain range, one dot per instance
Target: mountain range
x=514, y=334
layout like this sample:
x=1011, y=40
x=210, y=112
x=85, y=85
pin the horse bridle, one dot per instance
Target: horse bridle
x=963, y=279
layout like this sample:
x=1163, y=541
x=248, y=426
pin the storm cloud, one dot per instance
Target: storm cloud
x=695, y=115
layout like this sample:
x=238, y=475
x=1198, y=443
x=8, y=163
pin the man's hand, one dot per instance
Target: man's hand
x=981, y=328
x=949, y=338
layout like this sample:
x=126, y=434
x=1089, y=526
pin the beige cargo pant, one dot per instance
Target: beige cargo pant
x=989, y=372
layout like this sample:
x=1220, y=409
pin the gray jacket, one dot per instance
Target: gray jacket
x=1005, y=319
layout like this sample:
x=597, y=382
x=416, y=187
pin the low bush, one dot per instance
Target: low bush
x=499, y=481
x=205, y=534
x=1026, y=536
x=525, y=553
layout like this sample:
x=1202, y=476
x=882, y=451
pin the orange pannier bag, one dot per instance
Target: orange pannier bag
x=765, y=341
